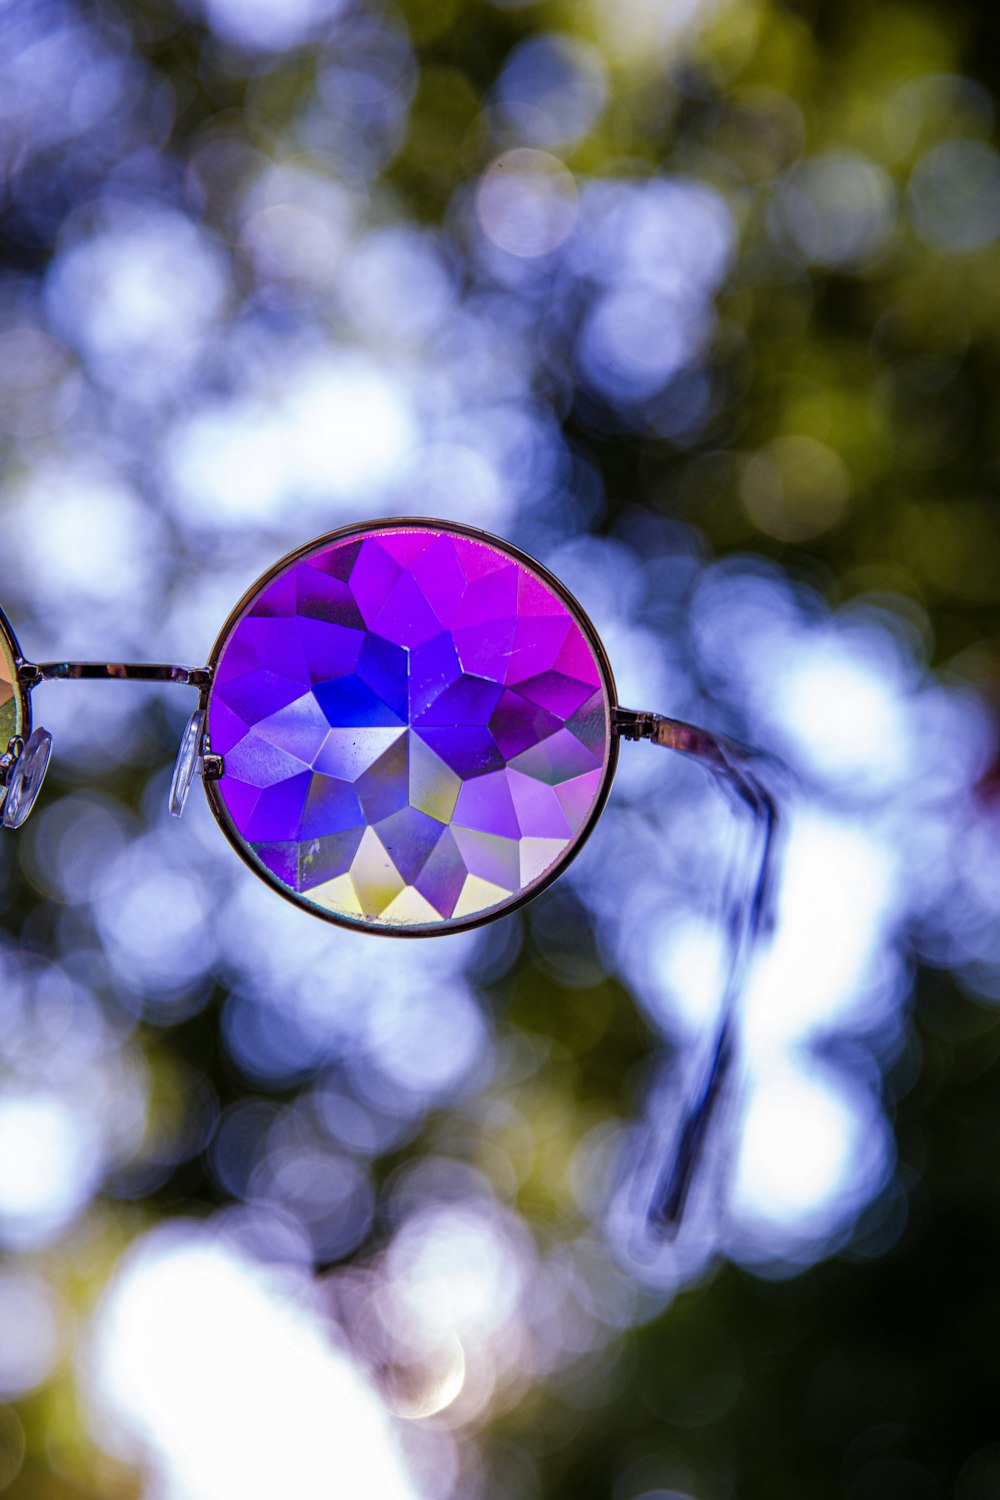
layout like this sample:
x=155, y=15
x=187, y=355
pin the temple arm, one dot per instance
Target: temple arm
x=748, y=918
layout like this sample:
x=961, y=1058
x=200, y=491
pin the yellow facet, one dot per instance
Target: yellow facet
x=479, y=895
x=376, y=879
x=410, y=909
x=434, y=786
x=337, y=895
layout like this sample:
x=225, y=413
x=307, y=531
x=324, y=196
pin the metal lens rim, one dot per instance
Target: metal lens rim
x=446, y=924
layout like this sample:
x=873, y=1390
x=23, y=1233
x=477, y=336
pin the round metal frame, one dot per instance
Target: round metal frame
x=446, y=925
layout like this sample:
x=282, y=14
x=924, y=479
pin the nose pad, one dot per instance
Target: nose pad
x=189, y=763
x=24, y=780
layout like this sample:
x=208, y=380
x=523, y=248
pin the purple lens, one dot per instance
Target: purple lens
x=414, y=725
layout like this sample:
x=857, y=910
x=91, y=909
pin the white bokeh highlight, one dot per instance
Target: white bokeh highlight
x=219, y=1379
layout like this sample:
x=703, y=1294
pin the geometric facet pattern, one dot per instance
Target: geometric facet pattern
x=414, y=726
x=10, y=700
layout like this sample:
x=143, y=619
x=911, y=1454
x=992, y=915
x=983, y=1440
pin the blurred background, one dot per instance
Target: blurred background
x=697, y=301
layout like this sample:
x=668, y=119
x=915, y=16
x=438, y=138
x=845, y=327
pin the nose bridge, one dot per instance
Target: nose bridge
x=31, y=674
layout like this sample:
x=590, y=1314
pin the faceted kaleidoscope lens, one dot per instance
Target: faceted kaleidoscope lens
x=10, y=703
x=414, y=725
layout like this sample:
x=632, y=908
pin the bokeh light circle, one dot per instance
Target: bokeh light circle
x=415, y=727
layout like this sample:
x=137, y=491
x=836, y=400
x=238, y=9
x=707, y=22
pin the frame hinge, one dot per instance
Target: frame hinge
x=633, y=724
x=212, y=767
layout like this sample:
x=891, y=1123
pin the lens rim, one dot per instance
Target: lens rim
x=11, y=652
x=447, y=924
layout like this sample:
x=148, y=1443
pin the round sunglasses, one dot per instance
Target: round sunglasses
x=410, y=727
